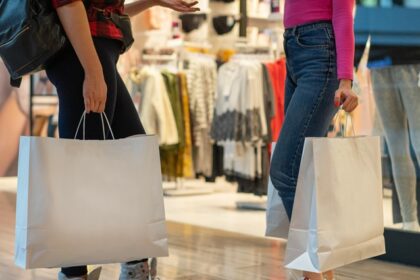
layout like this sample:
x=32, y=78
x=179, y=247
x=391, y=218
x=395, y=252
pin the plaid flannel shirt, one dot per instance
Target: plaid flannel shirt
x=99, y=26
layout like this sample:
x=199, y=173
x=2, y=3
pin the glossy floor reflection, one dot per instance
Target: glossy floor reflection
x=200, y=253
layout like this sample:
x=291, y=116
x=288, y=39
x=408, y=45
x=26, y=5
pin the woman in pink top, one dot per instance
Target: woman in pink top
x=319, y=47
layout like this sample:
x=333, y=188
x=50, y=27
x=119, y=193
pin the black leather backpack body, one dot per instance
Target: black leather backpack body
x=30, y=35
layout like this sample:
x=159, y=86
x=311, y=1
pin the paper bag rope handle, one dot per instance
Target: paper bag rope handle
x=83, y=120
x=336, y=122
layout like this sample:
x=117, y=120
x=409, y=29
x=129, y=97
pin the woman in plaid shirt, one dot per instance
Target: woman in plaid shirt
x=86, y=78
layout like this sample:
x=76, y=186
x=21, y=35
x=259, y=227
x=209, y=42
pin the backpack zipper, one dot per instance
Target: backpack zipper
x=14, y=37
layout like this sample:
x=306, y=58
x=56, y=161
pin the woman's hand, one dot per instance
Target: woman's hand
x=345, y=96
x=94, y=91
x=179, y=5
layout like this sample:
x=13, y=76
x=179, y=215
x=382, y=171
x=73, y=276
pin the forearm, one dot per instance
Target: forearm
x=74, y=19
x=139, y=6
x=344, y=37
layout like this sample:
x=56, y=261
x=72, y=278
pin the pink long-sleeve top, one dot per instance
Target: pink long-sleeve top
x=340, y=12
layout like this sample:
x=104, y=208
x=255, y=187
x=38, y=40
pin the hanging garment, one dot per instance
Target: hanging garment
x=172, y=88
x=186, y=151
x=201, y=76
x=171, y=156
x=240, y=123
x=277, y=73
x=155, y=109
x=269, y=102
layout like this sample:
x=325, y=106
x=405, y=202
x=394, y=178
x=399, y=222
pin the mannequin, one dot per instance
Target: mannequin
x=397, y=95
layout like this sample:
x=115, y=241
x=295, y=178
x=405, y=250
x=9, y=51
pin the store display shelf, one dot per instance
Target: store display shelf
x=270, y=18
x=271, y=21
x=45, y=99
x=45, y=94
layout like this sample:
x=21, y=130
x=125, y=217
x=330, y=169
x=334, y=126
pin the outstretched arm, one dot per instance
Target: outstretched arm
x=139, y=6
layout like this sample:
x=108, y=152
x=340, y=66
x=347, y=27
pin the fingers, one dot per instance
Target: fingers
x=186, y=7
x=101, y=107
x=347, y=99
x=87, y=105
x=94, y=104
x=192, y=4
x=337, y=98
x=98, y=106
x=350, y=103
x=351, y=106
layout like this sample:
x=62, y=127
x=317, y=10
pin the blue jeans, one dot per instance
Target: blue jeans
x=311, y=83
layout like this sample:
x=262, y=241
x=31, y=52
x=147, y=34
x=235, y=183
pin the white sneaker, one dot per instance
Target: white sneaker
x=153, y=269
x=94, y=275
x=139, y=271
x=411, y=226
x=292, y=274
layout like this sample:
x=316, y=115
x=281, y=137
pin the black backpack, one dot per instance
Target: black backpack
x=30, y=35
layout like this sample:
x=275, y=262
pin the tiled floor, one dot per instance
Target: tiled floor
x=219, y=211
x=202, y=252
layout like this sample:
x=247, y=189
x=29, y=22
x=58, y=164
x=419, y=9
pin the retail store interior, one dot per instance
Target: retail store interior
x=215, y=194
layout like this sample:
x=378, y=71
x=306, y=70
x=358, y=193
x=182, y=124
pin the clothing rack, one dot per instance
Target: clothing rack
x=261, y=53
x=172, y=59
x=159, y=56
x=182, y=186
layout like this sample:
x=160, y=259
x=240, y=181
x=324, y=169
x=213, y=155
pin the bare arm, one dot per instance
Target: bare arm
x=75, y=22
x=139, y=6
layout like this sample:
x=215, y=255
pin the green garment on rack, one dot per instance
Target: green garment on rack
x=173, y=89
x=171, y=157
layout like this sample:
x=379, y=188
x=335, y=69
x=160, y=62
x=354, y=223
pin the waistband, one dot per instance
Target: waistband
x=308, y=26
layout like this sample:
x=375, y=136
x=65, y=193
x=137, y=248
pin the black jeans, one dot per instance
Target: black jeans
x=67, y=74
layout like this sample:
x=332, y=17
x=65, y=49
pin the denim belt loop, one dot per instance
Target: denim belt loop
x=294, y=32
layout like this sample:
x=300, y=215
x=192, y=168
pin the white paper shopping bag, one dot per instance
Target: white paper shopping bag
x=338, y=211
x=89, y=202
x=277, y=221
